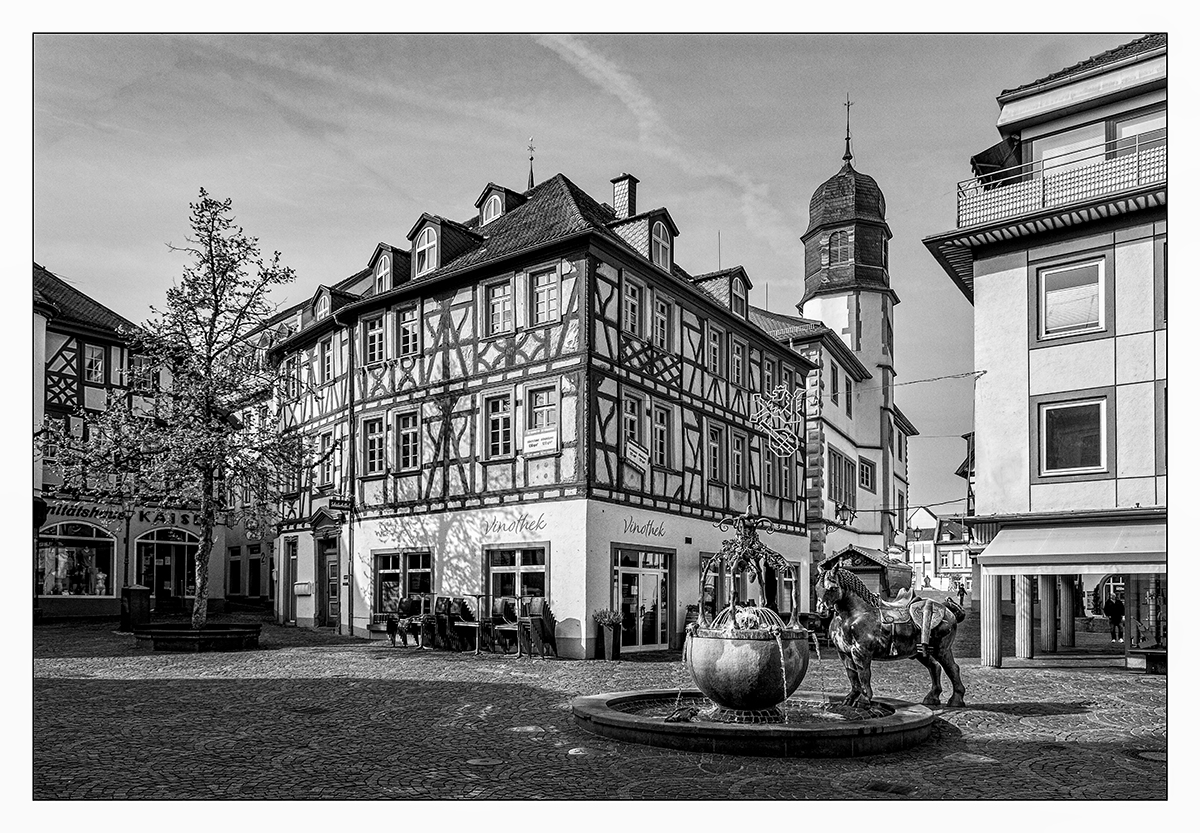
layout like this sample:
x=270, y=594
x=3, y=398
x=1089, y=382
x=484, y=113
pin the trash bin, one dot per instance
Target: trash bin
x=135, y=607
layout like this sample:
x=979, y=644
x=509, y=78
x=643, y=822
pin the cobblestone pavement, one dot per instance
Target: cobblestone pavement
x=313, y=715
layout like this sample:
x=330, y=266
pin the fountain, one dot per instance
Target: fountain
x=747, y=664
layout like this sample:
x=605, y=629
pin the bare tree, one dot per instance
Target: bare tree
x=181, y=442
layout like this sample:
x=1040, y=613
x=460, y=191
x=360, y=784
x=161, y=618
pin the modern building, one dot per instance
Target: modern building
x=1061, y=246
x=535, y=401
x=85, y=551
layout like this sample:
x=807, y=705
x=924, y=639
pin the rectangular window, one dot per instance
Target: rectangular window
x=499, y=308
x=541, y=408
x=388, y=584
x=93, y=364
x=408, y=441
x=943, y=559
x=544, y=297
x=738, y=461
x=499, y=426
x=956, y=557
x=902, y=504
x=1074, y=437
x=842, y=480
x=373, y=450
x=145, y=376
x=235, y=571
x=716, y=453
x=770, y=467
x=785, y=478
x=517, y=572
x=662, y=436
x=410, y=331
x=866, y=475
x=291, y=377
x=849, y=399
x=373, y=341
x=833, y=388
x=326, y=361
x=662, y=323
x=325, y=466
x=737, y=367
x=418, y=573
x=631, y=309
x=714, y=351
x=1072, y=299
x=631, y=418
x=768, y=375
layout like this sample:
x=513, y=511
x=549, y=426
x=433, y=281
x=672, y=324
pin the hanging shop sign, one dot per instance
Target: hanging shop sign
x=637, y=455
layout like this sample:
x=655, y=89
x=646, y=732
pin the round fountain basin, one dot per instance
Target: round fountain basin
x=814, y=727
x=740, y=669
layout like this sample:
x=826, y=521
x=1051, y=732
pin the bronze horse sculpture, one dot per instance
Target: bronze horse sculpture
x=866, y=627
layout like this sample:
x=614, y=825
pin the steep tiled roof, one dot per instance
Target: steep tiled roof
x=73, y=306
x=783, y=327
x=1147, y=43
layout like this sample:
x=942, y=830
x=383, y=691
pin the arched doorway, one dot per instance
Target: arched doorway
x=166, y=563
x=75, y=559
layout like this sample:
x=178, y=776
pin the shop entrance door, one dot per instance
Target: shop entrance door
x=329, y=582
x=643, y=598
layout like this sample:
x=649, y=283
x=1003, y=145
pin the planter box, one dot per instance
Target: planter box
x=184, y=638
x=608, y=642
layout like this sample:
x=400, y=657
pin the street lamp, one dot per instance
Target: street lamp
x=843, y=516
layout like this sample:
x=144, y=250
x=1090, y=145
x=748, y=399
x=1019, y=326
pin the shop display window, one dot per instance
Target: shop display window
x=75, y=559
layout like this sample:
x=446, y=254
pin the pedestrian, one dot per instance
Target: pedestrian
x=1114, y=609
x=962, y=593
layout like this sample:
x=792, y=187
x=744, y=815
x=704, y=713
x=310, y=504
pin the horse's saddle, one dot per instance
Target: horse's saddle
x=896, y=613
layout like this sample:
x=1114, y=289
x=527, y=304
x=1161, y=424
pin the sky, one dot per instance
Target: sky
x=328, y=145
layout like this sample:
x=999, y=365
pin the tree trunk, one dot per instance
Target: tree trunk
x=207, y=523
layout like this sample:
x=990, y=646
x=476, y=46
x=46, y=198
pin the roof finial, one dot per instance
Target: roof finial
x=531, y=162
x=848, y=155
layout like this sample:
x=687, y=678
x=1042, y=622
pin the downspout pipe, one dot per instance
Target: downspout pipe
x=352, y=443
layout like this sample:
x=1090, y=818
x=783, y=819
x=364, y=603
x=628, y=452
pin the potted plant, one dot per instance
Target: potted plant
x=608, y=637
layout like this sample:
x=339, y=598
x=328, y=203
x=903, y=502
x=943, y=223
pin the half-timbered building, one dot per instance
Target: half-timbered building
x=534, y=401
x=88, y=551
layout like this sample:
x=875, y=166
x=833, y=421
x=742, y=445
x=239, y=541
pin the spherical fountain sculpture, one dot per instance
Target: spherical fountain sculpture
x=747, y=664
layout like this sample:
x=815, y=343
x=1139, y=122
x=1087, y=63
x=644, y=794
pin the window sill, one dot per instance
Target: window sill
x=510, y=458
x=494, y=336
x=406, y=472
x=375, y=475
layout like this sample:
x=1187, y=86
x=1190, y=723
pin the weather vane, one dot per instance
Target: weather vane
x=848, y=155
x=531, y=149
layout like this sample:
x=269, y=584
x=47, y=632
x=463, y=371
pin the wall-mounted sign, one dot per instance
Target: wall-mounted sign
x=540, y=441
x=648, y=527
x=637, y=455
x=525, y=523
x=339, y=503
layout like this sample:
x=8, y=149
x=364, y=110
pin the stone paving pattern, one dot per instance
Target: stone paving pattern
x=314, y=715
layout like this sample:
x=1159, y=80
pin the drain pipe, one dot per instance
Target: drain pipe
x=352, y=445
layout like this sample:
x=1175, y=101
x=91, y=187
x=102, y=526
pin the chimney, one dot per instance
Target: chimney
x=625, y=195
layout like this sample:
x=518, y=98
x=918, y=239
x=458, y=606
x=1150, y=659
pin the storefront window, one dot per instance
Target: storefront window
x=75, y=560
x=1145, y=600
x=517, y=572
x=166, y=562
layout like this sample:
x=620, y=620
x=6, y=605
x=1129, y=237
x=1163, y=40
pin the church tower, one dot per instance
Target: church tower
x=847, y=288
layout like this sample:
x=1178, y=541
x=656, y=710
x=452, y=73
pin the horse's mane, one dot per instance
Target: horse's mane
x=849, y=581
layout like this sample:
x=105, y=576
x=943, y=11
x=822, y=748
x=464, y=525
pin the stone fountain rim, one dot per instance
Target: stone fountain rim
x=908, y=725
x=749, y=633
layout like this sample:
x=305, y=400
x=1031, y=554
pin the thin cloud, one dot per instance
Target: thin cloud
x=762, y=218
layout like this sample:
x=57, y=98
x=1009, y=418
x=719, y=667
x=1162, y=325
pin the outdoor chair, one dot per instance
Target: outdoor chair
x=463, y=620
x=447, y=637
x=413, y=620
x=542, y=627
x=504, y=623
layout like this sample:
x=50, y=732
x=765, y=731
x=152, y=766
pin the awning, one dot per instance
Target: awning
x=1077, y=548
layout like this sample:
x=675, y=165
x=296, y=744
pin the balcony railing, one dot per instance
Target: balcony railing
x=1084, y=174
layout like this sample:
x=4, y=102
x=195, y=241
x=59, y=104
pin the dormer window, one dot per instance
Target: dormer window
x=426, y=251
x=491, y=209
x=323, y=306
x=739, y=298
x=660, y=246
x=383, y=274
x=839, y=247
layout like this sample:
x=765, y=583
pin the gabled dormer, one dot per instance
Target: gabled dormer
x=325, y=301
x=495, y=201
x=389, y=268
x=652, y=233
x=437, y=241
x=731, y=287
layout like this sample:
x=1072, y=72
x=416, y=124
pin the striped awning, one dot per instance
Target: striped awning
x=1077, y=549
